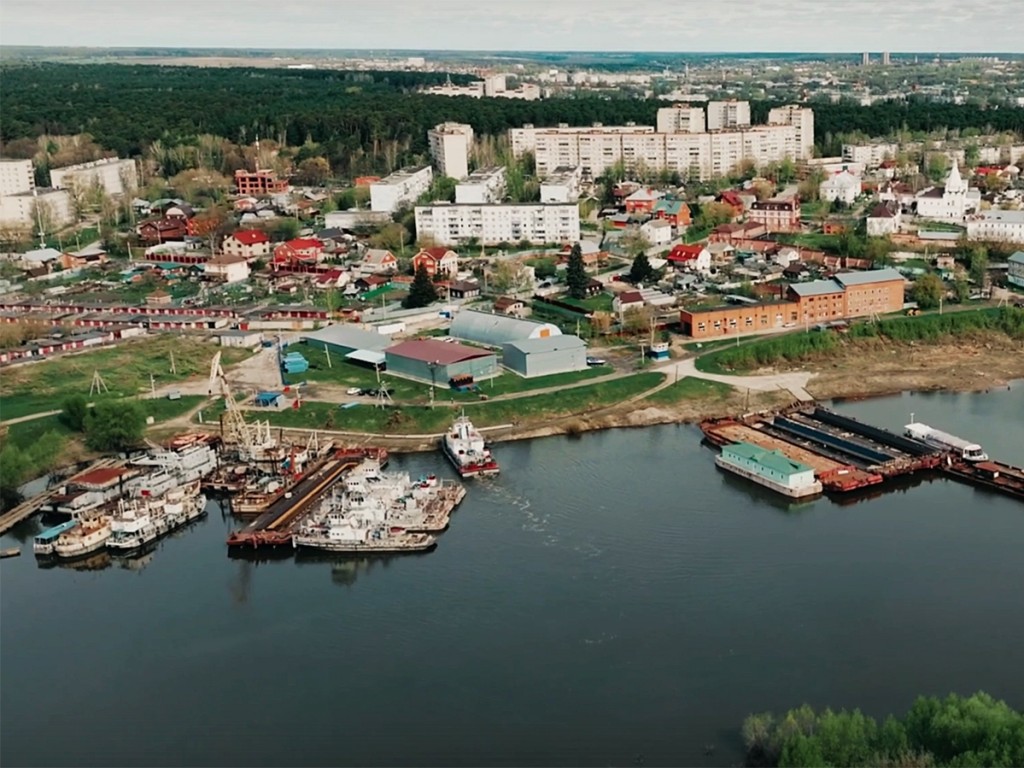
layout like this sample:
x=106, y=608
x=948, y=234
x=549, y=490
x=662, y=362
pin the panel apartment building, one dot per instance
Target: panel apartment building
x=704, y=154
x=450, y=145
x=491, y=224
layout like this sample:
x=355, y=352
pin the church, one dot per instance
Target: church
x=951, y=202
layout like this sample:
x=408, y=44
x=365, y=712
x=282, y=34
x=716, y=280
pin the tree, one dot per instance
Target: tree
x=938, y=166
x=314, y=171
x=641, y=271
x=713, y=214
x=971, y=155
x=74, y=412
x=576, y=273
x=422, y=291
x=509, y=277
x=634, y=241
x=114, y=425
x=978, y=268
x=928, y=291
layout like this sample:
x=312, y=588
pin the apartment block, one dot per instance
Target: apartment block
x=116, y=176
x=871, y=155
x=450, y=145
x=403, y=186
x=16, y=176
x=24, y=210
x=802, y=121
x=491, y=224
x=485, y=185
x=562, y=185
x=681, y=119
x=728, y=115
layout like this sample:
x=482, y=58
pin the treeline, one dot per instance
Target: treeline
x=355, y=114
x=801, y=347
x=23, y=460
x=955, y=731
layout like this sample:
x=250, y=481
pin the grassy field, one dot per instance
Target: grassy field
x=27, y=432
x=426, y=420
x=689, y=388
x=600, y=303
x=125, y=369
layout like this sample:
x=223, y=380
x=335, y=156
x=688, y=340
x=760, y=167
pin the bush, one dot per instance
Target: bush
x=114, y=425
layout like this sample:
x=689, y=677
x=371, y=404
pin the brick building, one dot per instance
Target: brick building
x=776, y=215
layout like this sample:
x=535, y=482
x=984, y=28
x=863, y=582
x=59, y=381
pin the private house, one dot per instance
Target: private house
x=90, y=256
x=332, y=279
x=377, y=261
x=228, y=269
x=643, y=200
x=162, y=230
x=159, y=298
x=674, y=211
x=777, y=215
x=436, y=261
x=657, y=231
x=301, y=250
x=463, y=289
x=589, y=250
x=507, y=305
x=696, y=258
x=627, y=301
x=1015, y=273
x=251, y=244
x=733, y=199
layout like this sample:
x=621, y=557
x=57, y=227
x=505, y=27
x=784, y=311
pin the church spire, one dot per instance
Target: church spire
x=954, y=182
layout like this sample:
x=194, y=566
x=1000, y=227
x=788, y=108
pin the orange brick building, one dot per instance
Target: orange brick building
x=847, y=295
x=776, y=215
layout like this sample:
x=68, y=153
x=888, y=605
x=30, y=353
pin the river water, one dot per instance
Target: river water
x=609, y=599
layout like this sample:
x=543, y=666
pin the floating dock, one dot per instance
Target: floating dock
x=848, y=455
x=274, y=527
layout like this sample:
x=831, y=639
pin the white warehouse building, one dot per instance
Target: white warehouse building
x=400, y=187
x=491, y=224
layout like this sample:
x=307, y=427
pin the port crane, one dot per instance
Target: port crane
x=252, y=440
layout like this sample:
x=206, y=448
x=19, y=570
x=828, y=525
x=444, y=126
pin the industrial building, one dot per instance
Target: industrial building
x=347, y=342
x=494, y=330
x=545, y=356
x=440, y=363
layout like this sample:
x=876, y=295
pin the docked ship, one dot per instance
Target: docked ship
x=85, y=538
x=144, y=519
x=43, y=544
x=772, y=469
x=465, y=448
x=964, y=449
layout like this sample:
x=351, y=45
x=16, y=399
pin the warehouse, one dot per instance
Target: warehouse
x=438, y=362
x=543, y=357
x=495, y=330
x=245, y=339
x=350, y=343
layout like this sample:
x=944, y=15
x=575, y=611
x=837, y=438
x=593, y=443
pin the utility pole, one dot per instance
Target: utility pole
x=152, y=385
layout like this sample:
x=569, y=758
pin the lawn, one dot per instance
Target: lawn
x=27, y=432
x=125, y=369
x=690, y=388
x=600, y=303
x=426, y=420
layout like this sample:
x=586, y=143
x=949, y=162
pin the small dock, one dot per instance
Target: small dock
x=274, y=527
x=29, y=507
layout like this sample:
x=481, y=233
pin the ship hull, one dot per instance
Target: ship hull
x=338, y=547
x=794, y=493
x=470, y=469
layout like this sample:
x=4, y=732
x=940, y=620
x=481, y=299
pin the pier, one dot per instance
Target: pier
x=847, y=455
x=29, y=507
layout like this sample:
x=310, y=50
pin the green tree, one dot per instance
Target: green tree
x=74, y=411
x=114, y=425
x=642, y=271
x=978, y=269
x=422, y=291
x=802, y=752
x=576, y=273
x=928, y=291
x=314, y=171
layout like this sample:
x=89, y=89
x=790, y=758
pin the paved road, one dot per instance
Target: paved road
x=795, y=382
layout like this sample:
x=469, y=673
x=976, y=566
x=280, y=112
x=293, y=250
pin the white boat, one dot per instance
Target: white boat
x=85, y=538
x=465, y=448
x=944, y=441
x=43, y=544
x=143, y=519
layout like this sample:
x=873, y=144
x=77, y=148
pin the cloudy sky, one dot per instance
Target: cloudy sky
x=593, y=25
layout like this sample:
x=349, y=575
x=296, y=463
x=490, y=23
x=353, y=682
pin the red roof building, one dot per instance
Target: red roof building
x=696, y=257
x=162, y=230
x=259, y=183
x=436, y=261
x=250, y=243
x=300, y=251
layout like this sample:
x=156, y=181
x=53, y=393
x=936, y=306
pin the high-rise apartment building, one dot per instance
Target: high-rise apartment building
x=728, y=115
x=16, y=176
x=680, y=119
x=450, y=145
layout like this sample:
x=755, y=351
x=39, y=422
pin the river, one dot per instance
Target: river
x=609, y=599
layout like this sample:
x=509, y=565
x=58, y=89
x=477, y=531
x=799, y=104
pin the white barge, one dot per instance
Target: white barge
x=772, y=469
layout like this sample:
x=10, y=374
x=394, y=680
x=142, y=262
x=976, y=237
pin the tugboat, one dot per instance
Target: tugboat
x=465, y=448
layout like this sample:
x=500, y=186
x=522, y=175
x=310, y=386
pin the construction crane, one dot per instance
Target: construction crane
x=249, y=438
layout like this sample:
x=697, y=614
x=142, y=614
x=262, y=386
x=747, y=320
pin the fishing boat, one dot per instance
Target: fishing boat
x=43, y=544
x=466, y=450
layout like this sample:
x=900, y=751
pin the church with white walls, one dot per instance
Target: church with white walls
x=949, y=203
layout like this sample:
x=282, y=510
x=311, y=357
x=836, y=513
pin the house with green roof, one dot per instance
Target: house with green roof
x=672, y=210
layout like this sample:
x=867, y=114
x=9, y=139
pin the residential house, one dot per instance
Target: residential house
x=627, y=301
x=507, y=305
x=884, y=219
x=1016, y=269
x=228, y=269
x=841, y=187
x=674, y=211
x=251, y=244
x=259, y=183
x=657, y=231
x=589, y=250
x=377, y=261
x=371, y=282
x=463, y=289
x=159, y=298
x=777, y=215
x=301, y=250
x=90, y=256
x=733, y=199
x=436, y=261
x=786, y=256
x=643, y=200
x=897, y=192
x=332, y=279
x=696, y=258
x=42, y=257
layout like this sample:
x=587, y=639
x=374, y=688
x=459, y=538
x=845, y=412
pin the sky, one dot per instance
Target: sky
x=534, y=25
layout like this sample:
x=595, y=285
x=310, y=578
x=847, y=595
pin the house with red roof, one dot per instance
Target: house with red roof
x=331, y=279
x=436, y=261
x=250, y=243
x=626, y=301
x=300, y=251
x=733, y=200
x=696, y=258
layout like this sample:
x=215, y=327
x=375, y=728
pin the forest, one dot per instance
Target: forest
x=362, y=121
x=956, y=731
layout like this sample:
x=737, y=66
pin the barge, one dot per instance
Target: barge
x=771, y=469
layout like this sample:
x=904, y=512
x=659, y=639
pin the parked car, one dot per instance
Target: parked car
x=353, y=391
x=592, y=361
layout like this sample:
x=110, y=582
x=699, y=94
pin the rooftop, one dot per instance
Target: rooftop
x=1006, y=217
x=550, y=344
x=816, y=288
x=846, y=279
x=770, y=459
x=344, y=335
x=434, y=351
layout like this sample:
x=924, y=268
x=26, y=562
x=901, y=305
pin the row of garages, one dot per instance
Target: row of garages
x=528, y=349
